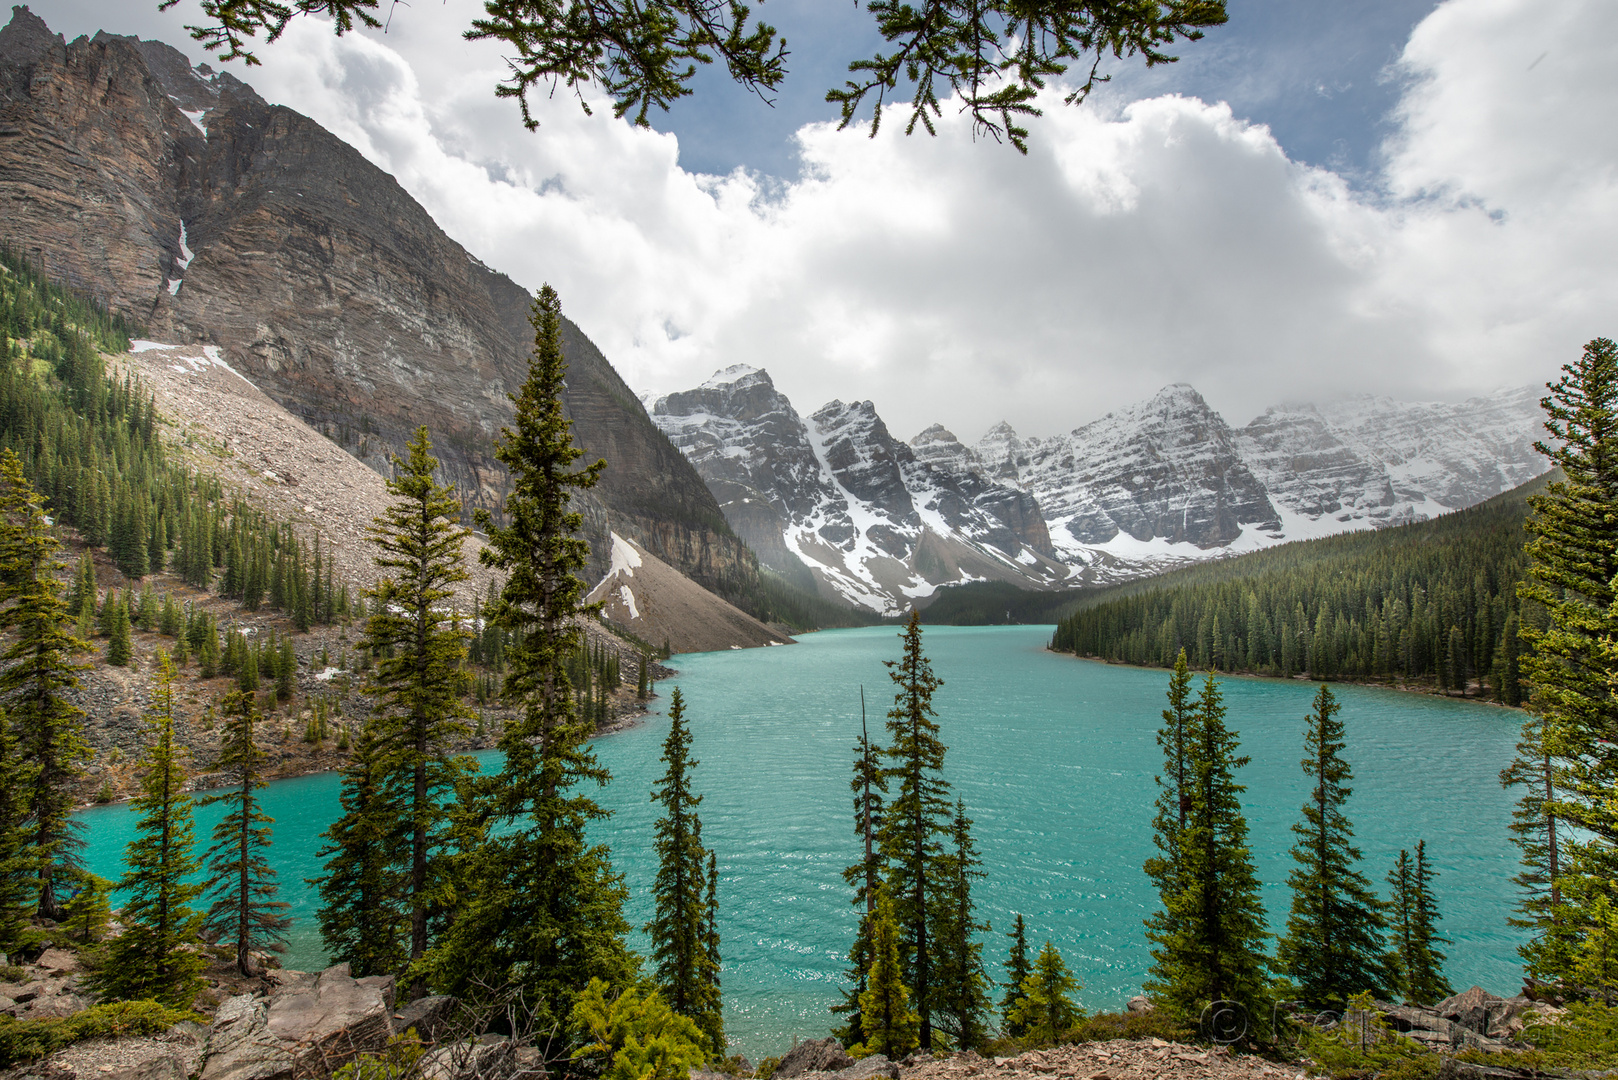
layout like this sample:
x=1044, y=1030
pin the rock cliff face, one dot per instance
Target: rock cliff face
x=1168, y=469
x=837, y=498
x=180, y=197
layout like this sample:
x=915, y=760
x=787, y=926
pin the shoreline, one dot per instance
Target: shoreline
x=1402, y=687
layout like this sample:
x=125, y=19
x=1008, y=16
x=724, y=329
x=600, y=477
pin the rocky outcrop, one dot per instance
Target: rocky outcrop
x=180, y=197
x=813, y=1055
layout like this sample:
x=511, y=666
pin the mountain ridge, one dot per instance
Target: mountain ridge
x=178, y=196
x=1162, y=483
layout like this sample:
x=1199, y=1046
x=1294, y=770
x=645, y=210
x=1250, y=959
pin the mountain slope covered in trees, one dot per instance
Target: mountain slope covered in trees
x=1434, y=602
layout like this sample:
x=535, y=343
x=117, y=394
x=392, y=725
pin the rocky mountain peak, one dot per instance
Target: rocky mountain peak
x=937, y=445
x=26, y=38
x=179, y=197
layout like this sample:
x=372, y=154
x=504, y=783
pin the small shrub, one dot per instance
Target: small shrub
x=1127, y=1025
x=11, y=973
x=1585, y=1037
x=395, y=1062
x=766, y=1068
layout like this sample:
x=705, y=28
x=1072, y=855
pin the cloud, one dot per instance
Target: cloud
x=952, y=280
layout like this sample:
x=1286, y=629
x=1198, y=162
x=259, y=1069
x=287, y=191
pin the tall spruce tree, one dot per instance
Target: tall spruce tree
x=1573, y=552
x=1209, y=936
x=711, y=1022
x=681, y=919
x=963, y=988
x=1425, y=976
x=540, y=910
x=869, y=785
x=152, y=958
x=364, y=909
x=1174, y=795
x=917, y=818
x=38, y=676
x=241, y=883
x=421, y=680
x=891, y=1025
x=1332, y=948
x=1017, y=972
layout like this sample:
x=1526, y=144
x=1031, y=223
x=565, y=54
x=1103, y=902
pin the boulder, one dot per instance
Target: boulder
x=813, y=1055
x=430, y=1016
x=58, y=960
x=332, y=1022
x=1485, y=1014
x=1140, y=1005
x=241, y=1045
x=867, y=1067
x=489, y=1057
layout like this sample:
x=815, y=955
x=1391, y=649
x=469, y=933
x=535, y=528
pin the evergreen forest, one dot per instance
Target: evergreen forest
x=1432, y=603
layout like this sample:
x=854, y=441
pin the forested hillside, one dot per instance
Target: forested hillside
x=1434, y=602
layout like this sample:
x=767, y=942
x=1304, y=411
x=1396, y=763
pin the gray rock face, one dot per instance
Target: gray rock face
x=242, y=1047
x=813, y=1055
x=875, y=520
x=181, y=198
x=1374, y=461
x=1168, y=469
x=332, y=1022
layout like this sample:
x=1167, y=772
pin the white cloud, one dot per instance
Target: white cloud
x=957, y=281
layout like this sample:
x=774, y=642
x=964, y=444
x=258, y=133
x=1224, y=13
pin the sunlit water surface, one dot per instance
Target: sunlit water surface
x=1055, y=758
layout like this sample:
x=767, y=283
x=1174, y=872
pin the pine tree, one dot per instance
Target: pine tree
x=241, y=883
x=38, y=676
x=364, y=902
x=1046, y=1012
x=1209, y=935
x=869, y=784
x=891, y=1026
x=1424, y=974
x=1017, y=972
x=1332, y=948
x=87, y=912
x=422, y=679
x=151, y=959
x=917, y=818
x=680, y=916
x=1174, y=797
x=541, y=910
x=711, y=1020
x=286, y=670
x=1573, y=548
x=963, y=988
x=18, y=884
x=120, y=650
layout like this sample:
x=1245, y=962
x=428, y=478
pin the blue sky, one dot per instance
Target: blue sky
x=1320, y=199
x=1316, y=72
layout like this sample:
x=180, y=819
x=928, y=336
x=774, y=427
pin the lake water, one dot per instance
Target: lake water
x=1055, y=759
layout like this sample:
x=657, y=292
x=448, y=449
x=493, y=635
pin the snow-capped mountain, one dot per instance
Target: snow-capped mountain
x=837, y=497
x=883, y=523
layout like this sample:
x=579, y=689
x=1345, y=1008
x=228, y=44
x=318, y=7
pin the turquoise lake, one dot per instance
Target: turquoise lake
x=1055, y=758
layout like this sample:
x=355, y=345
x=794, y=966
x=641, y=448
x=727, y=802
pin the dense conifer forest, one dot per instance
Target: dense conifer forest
x=1433, y=602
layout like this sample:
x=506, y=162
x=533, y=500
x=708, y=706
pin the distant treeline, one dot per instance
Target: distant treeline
x=1436, y=601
